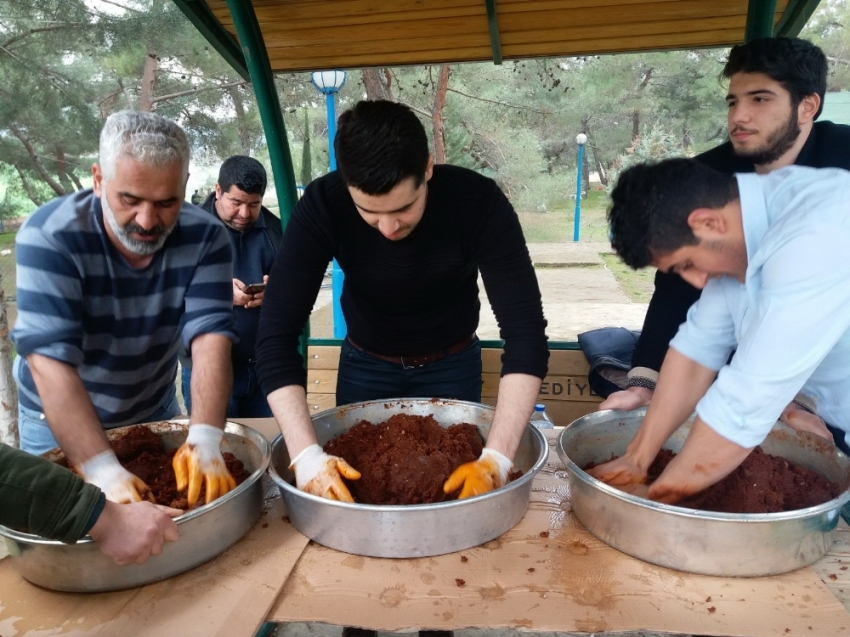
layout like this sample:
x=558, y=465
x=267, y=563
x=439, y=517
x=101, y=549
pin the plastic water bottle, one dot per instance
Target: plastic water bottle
x=539, y=418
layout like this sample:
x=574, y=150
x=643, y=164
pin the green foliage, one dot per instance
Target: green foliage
x=79, y=61
x=653, y=144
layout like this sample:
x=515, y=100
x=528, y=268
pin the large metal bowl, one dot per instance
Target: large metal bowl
x=205, y=532
x=700, y=541
x=412, y=530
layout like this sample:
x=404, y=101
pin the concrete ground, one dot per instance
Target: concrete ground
x=579, y=294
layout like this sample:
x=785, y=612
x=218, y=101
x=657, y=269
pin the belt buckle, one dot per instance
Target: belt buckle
x=404, y=365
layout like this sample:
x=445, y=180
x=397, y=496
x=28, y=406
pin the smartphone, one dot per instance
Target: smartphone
x=254, y=288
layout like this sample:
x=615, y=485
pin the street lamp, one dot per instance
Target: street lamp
x=329, y=83
x=581, y=140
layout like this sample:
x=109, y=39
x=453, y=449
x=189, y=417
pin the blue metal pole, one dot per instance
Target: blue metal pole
x=577, y=219
x=330, y=101
x=337, y=275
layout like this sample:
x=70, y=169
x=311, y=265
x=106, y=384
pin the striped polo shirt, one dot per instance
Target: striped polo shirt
x=81, y=303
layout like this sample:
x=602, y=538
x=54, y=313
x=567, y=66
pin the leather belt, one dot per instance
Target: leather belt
x=409, y=362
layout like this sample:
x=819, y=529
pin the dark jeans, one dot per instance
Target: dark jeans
x=246, y=400
x=365, y=377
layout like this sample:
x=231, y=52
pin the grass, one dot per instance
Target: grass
x=638, y=284
x=557, y=225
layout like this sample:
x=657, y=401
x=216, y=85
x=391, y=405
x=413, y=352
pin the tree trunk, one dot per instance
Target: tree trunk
x=39, y=167
x=437, y=123
x=241, y=123
x=75, y=179
x=600, y=169
x=388, y=84
x=28, y=187
x=61, y=170
x=374, y=83
x=8, y=389
x=636, y=113
x=148, y=79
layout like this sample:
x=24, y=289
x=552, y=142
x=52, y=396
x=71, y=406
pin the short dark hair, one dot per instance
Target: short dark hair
x=651, y=204
x=246, y=173
x=797, y=64
x=378, y=144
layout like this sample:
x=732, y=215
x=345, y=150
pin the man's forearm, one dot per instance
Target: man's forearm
x=681, y=384
x=68, y=409
x=517, y=395
x=705, y=458
x=289, y=406
x=212, y=379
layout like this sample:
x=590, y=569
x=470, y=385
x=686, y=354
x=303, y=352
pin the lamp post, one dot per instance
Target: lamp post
x=581, y=140
x=329, y=83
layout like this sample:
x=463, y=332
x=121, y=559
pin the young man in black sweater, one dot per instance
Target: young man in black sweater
x=776, y=91
x=411, y=238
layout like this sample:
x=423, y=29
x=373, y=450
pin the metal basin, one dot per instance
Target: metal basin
x=205, y=532
x=700, y=541
x=414, y=530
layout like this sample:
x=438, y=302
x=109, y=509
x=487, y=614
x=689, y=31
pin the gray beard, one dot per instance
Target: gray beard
x=141, y=248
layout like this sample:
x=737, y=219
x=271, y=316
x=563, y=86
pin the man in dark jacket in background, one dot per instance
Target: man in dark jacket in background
x=43, y=498
x=255, y=234
x=776, y=91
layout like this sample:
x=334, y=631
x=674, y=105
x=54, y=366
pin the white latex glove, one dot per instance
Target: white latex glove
x=320, y=474
x=119, y=485
x=489, y=472
x=199, y=459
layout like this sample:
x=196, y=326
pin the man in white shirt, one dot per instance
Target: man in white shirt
x=771, y=255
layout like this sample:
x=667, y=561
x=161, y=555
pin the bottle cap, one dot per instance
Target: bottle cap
x=539, y=407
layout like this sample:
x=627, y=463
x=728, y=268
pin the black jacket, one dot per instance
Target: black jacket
x=254, y=252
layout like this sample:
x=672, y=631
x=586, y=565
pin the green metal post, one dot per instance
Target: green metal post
x=760, y=16
x=207, y=24
x=493, y=25
x=254, y=49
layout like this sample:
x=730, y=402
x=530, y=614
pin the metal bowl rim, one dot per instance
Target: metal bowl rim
x=30, y=538
x=388, y=508
x=796, y=514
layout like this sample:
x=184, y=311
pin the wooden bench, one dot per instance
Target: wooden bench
x=565, y=391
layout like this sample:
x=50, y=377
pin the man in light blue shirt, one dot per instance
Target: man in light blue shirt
x=772, y=255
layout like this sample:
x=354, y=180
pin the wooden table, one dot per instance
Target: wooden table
x=546, y=574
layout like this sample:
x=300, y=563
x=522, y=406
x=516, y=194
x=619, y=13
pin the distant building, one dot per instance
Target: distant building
x=836, y=107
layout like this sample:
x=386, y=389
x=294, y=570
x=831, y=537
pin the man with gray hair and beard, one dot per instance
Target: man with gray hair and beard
x=111, y=282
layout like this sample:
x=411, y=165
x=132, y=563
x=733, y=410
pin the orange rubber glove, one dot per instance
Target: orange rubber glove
x=118, y=484
x=200, y=460
x=320, y=474
x=489, y=472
